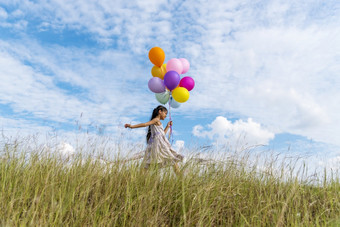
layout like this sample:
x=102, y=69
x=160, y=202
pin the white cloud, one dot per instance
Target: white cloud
x=238, y=134
x=29, y=91
x=12, y=19
x=100, y=84
x=16, y=127
x=179, y=145
x=282, y=73
x=111, y=22
x=65, y=149
x=3, y=13
x=331, y=164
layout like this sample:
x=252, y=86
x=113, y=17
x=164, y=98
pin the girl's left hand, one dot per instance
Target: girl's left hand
x=169, y=123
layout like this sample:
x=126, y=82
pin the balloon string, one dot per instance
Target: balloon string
x=170, y=134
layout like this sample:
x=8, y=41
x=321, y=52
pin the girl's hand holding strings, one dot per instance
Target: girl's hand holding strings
x=127, y=126
x=169, y=123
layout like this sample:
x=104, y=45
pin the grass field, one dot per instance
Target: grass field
x=42, y=189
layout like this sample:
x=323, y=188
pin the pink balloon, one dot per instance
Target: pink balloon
x=185, y=64
x=174, y=64
x=187, y=82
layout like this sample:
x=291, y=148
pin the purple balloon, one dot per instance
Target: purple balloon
x=187, y=82
x=171, y=80
x=156, y=85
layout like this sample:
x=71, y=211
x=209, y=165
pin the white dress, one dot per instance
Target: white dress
x=159, y=150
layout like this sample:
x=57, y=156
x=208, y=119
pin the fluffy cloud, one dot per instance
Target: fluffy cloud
x=65, y=149
x=240, y=133
x=3, y=13
x=59, y=84
x=179, y=145
x=274, y=63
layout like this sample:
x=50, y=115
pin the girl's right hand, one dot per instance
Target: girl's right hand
x=169, y=123
x=127, y=126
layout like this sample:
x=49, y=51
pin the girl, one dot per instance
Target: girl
x=158, y=149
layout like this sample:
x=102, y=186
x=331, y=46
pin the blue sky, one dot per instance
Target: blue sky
x=265, y=71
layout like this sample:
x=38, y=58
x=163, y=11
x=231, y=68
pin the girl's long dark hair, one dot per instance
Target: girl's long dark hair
x=154, y=114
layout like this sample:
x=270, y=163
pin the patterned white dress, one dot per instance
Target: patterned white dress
x=159, y=150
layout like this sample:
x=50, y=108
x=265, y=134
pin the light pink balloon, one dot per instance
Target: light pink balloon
x=174, y=64
x=185, y=64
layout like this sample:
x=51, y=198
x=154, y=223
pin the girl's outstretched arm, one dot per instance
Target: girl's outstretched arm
x=153, y=121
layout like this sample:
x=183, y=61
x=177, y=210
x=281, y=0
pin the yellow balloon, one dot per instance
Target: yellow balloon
x=158, y=72
x=163, y=67
x=180, y=94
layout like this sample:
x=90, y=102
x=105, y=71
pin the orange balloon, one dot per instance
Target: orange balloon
x=157, y=56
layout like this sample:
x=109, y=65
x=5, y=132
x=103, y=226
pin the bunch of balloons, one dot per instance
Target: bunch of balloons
x=166, y=82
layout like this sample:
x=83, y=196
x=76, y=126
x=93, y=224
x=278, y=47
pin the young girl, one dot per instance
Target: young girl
x=158, y=149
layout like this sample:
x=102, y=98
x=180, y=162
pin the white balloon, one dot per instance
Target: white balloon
x=163, y=97
x=174, y=103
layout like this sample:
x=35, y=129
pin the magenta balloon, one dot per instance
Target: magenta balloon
x=171, y=80
x=156, y=85
x=185, y=64
x=187, y=82
x=174, y=64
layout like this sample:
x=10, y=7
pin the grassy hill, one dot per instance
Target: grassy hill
x=45, y=190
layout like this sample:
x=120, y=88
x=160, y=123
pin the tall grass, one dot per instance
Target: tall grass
x=41, y=189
